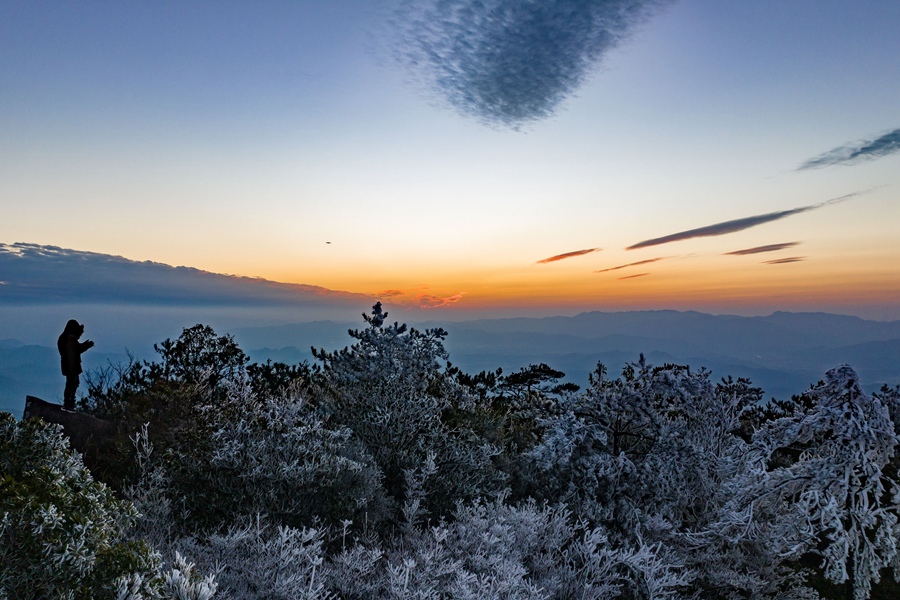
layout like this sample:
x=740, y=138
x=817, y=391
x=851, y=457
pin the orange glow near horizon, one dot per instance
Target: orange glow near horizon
x=714, y=283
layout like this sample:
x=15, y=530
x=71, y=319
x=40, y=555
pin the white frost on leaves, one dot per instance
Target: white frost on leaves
x=837, y=493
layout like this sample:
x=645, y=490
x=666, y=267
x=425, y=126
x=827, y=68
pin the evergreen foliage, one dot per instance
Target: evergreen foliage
x=64, y=535
x=383, y=471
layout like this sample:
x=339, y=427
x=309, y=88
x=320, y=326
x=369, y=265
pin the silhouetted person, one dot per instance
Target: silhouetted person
x=70, y=350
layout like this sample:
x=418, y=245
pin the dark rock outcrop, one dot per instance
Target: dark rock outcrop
x=88, y=435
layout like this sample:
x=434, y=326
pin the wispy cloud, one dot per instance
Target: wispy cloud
x=429, y=301
x=508, y=62
x=784, y=261
x=634, y=264
x=389, y=293
x=634, y=276
x=568, y=255
x=737, y=224
x=850, y=153
x=761, y=249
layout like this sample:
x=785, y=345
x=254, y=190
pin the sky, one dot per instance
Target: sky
x=469, y=157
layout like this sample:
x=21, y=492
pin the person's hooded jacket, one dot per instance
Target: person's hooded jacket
x=70, y=349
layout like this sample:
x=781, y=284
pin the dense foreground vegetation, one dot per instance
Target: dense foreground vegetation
x=383, y=471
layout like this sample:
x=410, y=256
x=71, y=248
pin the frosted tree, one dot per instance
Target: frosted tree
x=276, y=455
x=256, y=560
x=64, y=535
x=838, y=499
x=391, y=390
x=591, y=449
x=651, y=455
x=663, y=438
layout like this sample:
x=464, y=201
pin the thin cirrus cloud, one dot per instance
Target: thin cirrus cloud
x=634, y=264
x=508, y=62
x=634, y=276
x=429, y=301
x=850, y=154
x=761, y=249
x=568, y=255
x=737, y=224
x=784, y=261
x=418, y=297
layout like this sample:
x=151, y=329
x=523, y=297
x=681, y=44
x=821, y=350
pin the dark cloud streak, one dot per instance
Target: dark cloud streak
x=634, y=264
x=760, y=249
x=509, y=62
x=737, y=224
x=849, y=154
x=634, y=276
x=784, y=261
x=568, y=255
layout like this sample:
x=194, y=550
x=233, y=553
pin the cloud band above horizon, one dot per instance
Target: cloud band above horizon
x=36, y=274
x=736, y=225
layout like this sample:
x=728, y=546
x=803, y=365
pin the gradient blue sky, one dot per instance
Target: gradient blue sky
x=240, y=137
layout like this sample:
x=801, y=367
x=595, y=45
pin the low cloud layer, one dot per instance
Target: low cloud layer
x=737, y=224
x=761, y=249
x=784, y=261
x=509, y=62
x=568, y=255
x=850, y=154
x=634, y=264
x=35, y=274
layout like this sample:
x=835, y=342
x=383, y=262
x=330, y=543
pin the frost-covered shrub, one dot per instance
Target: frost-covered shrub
x=572, y=464
x=495, y=551
x=62, y=535
x=650, y=485
x=610, y=451
x=354, y=572
x=492, y=550
x=590, y=452
x=698, y=447
x=838, y=500
x=181, y=582
x=198, y=365
x=390, y=389
x=254, y=559
x=275, y=455
x=198, y=361
x=649, y=456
